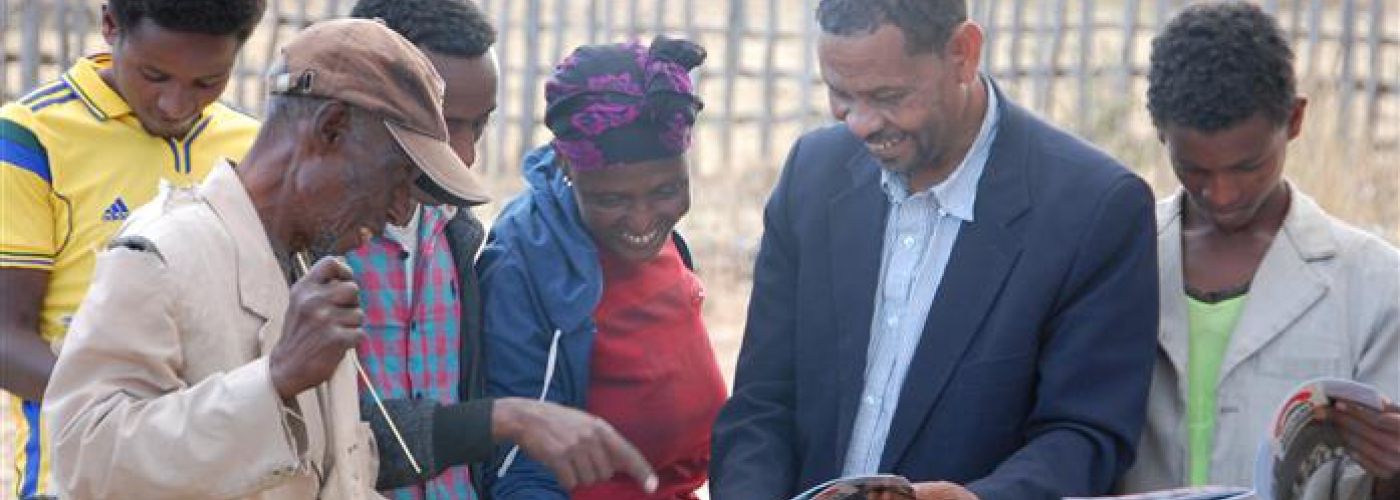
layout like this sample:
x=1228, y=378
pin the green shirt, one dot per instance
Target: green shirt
x=1210, y=328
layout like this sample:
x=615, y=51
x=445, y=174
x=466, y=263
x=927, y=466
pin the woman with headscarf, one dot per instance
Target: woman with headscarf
x=590, y=300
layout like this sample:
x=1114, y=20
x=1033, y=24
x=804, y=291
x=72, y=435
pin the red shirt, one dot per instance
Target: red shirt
x=653, y=373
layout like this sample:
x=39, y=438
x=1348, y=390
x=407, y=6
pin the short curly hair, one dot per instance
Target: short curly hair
x=449, y=27
x=1217, y=64
x=927, y=24
x=235, y=18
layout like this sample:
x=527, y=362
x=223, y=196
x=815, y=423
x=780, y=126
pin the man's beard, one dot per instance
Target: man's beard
x=324, y=244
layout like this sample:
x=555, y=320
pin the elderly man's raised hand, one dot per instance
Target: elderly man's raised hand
x=323, y=322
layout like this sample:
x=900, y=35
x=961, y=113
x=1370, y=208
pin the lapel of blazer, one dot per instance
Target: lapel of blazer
x=1173, y=337
x=262, y=290
x=857, y=231
x=982, y=258
x=1284, y=287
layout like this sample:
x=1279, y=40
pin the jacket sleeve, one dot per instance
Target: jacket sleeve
x=1378, y=365
x=1095, y=362
x=754, y=450
x=517, y=343
x=27, y=235
x=440, y=436
x=124, y=422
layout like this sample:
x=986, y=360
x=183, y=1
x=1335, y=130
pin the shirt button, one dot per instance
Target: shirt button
x=871, y=400
x=908, y=242
x=892, y=320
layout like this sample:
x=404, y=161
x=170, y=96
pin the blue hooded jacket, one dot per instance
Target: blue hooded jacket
x=540, y=282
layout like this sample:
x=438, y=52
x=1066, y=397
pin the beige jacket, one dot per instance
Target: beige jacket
x=162, y=389
x=1324, y=302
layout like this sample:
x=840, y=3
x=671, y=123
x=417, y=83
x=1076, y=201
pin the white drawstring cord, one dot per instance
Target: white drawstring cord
x=544, y=393
x=303, y=265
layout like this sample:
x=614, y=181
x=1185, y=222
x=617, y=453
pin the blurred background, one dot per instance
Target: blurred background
x=1080, y=63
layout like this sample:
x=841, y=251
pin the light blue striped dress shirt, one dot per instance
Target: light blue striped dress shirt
x=919, y=236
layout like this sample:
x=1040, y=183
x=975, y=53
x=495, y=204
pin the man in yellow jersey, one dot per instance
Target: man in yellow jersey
x=78, y=154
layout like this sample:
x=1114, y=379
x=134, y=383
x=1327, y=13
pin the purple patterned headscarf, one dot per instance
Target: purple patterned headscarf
x=623, y=103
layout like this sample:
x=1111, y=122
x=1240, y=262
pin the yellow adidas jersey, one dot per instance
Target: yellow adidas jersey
x=74, y=162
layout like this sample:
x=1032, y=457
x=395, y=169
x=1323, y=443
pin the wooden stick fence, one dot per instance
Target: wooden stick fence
x=1076, y=61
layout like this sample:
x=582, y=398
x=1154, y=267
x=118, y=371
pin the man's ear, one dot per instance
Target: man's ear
x=110, y=31
x=1295, y=117
x=964, y=49
x=330, y=126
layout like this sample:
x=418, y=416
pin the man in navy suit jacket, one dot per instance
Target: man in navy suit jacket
x=948, y=288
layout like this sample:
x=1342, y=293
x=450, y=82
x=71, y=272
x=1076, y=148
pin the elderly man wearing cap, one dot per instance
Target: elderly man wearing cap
x=191, y=370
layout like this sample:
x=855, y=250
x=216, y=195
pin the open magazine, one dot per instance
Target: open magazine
x=1298, y=452
x=1193, y=493
x=860, y=488
x=1300, y=449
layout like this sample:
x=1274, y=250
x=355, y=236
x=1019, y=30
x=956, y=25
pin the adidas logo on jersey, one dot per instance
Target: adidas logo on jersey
x=117, y=211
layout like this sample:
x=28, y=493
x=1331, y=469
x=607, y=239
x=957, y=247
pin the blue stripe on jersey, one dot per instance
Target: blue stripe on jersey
x=44, y=92
x=34, y=161
x=197, y=130
x=174, y=153
x=29, y=484
x=60, y=99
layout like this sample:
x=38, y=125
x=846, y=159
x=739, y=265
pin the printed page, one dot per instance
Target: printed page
x=887, y=486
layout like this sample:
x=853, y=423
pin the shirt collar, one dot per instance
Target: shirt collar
x=434, y=218
x=957, y=195
x=101, y=99
x=405, y=235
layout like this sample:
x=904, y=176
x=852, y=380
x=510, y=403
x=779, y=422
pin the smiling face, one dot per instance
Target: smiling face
x=911, y=109
x=1229, y=175
x=167, y=77
x=630, y=209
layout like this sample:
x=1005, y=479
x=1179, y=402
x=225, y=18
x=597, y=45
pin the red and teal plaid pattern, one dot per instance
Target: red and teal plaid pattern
x=414, y=339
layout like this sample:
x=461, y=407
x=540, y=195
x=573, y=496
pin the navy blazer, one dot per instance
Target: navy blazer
x=1030, y=379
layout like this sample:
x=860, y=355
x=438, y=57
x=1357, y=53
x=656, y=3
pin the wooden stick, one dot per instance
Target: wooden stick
x=364, y=377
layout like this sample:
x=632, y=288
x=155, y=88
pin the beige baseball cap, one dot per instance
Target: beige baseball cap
x=365, y=64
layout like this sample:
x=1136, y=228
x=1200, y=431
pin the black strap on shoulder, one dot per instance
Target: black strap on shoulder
x=684, y=250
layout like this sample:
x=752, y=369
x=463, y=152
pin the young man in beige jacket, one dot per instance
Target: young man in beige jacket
x=1261, y=289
